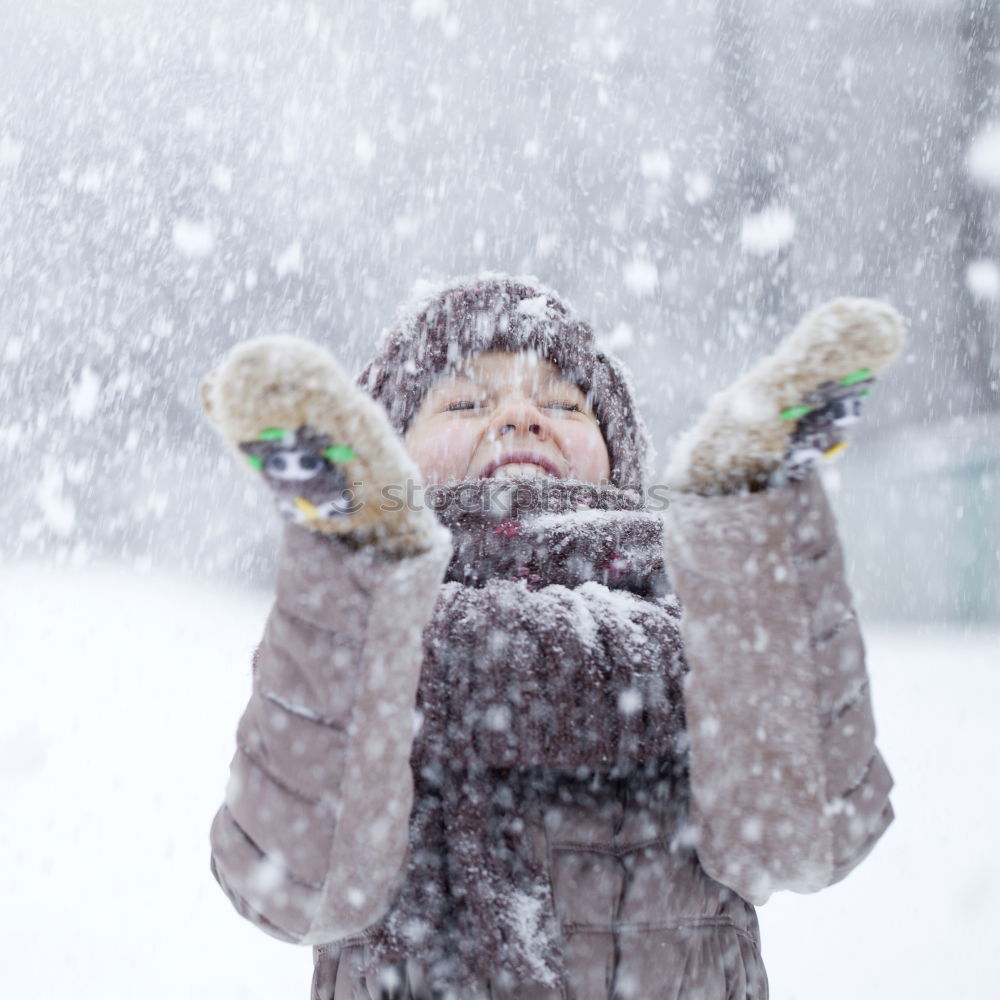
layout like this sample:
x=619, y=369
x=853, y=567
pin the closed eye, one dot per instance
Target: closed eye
x=459, y=405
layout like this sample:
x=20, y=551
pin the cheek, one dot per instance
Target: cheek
x=441, y=454
x=588, y=455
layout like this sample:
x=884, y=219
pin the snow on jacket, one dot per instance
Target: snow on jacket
x=787, y=789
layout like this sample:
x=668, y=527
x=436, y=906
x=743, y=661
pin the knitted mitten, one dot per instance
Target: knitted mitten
x=774, y=422
x=325, y=448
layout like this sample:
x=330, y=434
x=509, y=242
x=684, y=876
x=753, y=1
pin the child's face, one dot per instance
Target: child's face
x=505, y=415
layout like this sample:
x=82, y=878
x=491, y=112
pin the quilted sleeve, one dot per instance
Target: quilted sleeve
x=312, y=835
x=789, y=790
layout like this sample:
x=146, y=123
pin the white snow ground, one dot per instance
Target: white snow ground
x=123, y=693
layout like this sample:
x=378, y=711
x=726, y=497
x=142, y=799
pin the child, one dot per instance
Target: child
x=632, y=725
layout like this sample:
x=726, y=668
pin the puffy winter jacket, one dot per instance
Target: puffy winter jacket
x=787, y=789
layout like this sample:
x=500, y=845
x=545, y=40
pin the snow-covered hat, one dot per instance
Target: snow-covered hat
x=494, y=312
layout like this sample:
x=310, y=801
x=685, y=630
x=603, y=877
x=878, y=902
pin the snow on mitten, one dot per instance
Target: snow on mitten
x=324, y=447
x=774, y=421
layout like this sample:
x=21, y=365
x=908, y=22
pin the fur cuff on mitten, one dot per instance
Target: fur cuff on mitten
x=325, y=449
x=746, y=431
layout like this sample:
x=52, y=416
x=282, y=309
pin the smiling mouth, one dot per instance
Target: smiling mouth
x=520, y=458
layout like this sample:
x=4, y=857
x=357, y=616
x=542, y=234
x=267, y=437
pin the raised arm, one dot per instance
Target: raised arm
x=313, y=832
x=788, y=788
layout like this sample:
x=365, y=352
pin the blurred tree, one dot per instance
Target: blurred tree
x=757, y=167
x=977, y=249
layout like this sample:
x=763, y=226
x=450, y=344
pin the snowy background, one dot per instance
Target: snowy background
x=693, y=175
x=114, y=744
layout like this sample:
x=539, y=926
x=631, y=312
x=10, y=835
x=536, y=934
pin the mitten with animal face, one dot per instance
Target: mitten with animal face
x=795, y=406
x=324, y=447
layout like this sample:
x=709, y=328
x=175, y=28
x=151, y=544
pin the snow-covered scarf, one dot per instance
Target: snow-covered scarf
x=554, y=650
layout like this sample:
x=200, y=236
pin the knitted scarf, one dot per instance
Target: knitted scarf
x=554, y=651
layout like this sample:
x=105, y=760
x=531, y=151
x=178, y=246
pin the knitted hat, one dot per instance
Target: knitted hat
x=493, y=312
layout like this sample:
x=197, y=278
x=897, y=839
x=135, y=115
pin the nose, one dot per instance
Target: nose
x=515, y=414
